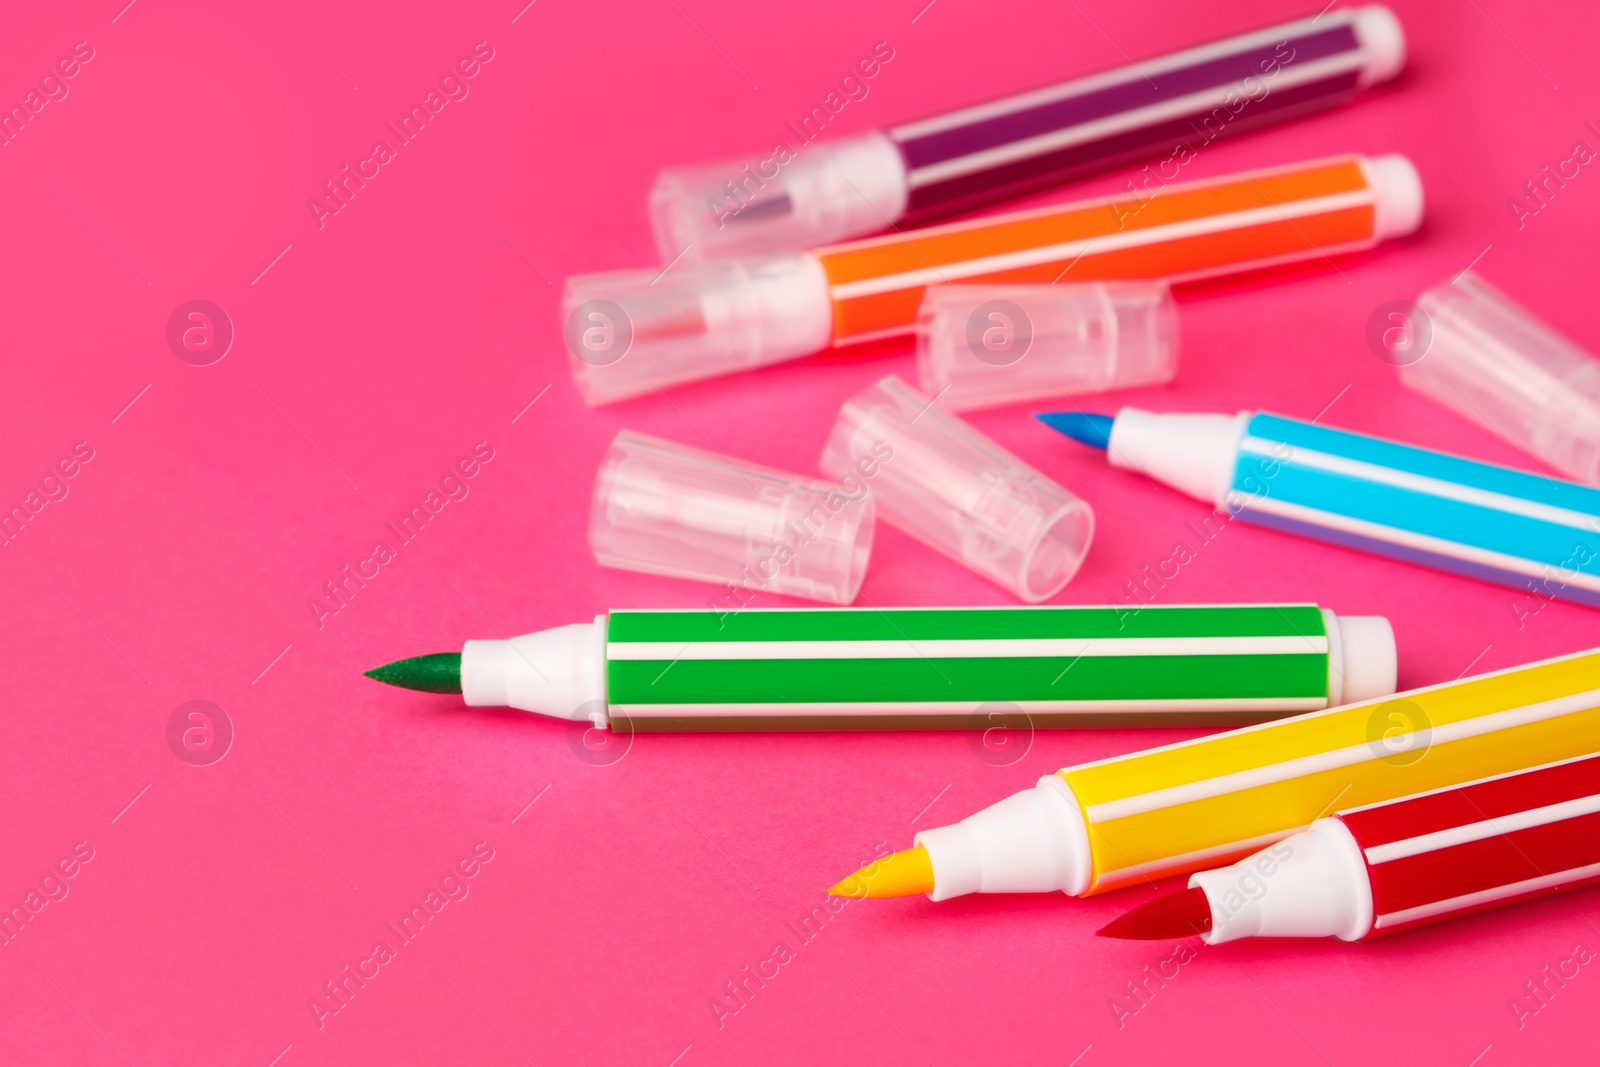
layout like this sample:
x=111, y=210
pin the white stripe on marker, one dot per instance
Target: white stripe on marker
x=947, y=707
x=1214, y=97
x=1117, y=76
x=1304, y=766
x=1423, y=542
x=1149, y=235
x=1478, y=831
x=1200, y=857
x=1019, y=648
x=1422, y=483
x=1487, y=896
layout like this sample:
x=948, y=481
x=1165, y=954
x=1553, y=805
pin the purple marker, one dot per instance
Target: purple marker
x=1173, y=105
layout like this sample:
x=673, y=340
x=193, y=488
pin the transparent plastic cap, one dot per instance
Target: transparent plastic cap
x=980, y=346
x=1493, y=362
x=789, y=199
x=953, y=489
x=664, y=508
x=632, y=332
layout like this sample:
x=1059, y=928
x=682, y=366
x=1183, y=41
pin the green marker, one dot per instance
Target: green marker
x=920, y=668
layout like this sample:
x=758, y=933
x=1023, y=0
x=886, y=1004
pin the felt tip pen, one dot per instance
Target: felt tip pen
x=918, y=668
x=1367, y=872
x=1192, y=805
x=1501, y=525
x=810, y=194
x=632, y=332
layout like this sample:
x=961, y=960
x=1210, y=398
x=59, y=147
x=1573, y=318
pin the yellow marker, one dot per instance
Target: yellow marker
x=1203, y=803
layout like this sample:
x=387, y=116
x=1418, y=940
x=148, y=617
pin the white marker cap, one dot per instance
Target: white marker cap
x=955, y=490
x=1494, y=362
x=1399, y=189
x=802, y=197
x=666, y=508
x=980, y=346
x=1362, y=664
x=1383, y=39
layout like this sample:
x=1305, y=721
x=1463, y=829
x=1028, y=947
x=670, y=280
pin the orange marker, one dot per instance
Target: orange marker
x=632, y=332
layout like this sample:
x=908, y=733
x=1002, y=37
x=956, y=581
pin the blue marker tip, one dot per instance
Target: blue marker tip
x=1081, y=426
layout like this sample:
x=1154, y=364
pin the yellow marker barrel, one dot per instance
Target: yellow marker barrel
x=1203, y=803
x=1208, y=801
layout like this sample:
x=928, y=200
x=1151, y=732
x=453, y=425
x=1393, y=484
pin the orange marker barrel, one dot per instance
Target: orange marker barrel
x=634, y=332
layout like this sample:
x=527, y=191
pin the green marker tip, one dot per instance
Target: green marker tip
x=438, y=672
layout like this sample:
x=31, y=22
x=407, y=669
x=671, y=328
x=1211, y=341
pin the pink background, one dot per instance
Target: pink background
x=423, y=318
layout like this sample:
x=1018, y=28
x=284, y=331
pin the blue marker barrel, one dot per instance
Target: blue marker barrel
x=1502, y=525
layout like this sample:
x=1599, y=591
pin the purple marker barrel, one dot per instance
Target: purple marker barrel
x=1166, y=108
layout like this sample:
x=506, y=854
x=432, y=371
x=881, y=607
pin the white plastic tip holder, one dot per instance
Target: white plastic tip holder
x=664, y=508
x=788, y=200
x=631, y=332
x=1492, y=361
x=981, y=346
x=1313, y=884
x=953, y=489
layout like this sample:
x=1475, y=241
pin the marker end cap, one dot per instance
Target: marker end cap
x=1370, y=665
x=1400, y=200
x=1385, y=42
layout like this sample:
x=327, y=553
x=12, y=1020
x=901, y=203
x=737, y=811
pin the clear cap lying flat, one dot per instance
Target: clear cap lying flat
x=1494, y=362
x=665, y=508
x=980, y=346
x=944, y=483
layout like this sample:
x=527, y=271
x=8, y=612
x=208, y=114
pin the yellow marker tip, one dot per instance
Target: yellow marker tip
x=903, y=874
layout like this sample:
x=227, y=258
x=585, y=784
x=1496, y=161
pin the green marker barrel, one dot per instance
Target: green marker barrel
x=921, y=668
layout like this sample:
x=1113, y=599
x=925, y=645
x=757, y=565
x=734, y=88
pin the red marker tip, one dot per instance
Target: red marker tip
x=1181, y=914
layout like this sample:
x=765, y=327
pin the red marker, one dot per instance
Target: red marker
x=1377, y=870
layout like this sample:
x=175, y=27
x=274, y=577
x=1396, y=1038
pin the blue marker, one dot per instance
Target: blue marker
x=1502, y=525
